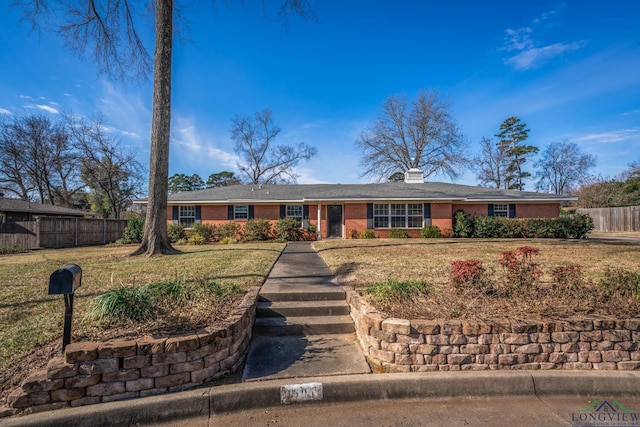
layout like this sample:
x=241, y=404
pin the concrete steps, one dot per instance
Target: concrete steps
x=302, y=308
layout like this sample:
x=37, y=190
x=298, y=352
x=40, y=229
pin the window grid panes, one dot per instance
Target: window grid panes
x=294, y=211
x=187, y=216
x=381, y=216
x=501, y=210
x=241, y=212
x=398, y=215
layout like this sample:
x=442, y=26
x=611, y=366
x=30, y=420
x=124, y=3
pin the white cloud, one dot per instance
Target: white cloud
x=3, y=111
x=527, y=51
x=534, y=56
x=307, y=176
x=43, y=107
x=610, y=137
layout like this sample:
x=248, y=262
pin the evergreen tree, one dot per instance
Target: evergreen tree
x=511, y=140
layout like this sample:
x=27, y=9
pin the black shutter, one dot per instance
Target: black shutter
x=305, y=211
x=283, y=211
x=175, y=214
x=230, y=212
x=370, y=223
x=491, y=210
x=427, y=214
x=198, y=214
x=251, y=213
x=512, y=210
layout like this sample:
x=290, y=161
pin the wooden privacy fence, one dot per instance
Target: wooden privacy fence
x=61, y=232
x=614, y=219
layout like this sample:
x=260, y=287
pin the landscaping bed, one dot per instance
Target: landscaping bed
x=565, y=277
x=31, y=320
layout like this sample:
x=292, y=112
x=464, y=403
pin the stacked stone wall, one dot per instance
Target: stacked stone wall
x=96, y=372
x=419, y=345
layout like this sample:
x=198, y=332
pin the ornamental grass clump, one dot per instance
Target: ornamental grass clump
x=396, y=294
x=620, y=283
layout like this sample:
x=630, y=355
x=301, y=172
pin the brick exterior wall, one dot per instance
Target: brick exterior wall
x=355, y=215
x=95, y=372
x=419, y=345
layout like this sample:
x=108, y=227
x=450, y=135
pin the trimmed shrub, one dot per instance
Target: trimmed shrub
x=575, y=226
x=288, y=229
x=175, y=232
x=230, y=229
x=367, y=234
x=520, y=270
x=205, y=231
x=398, y=233
x=228, y=241
x=430, y=232
x=257, y=229
x=133, y=232
x=196, y=239
x=462, y=225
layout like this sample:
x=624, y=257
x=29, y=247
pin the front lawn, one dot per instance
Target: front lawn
x=385, y=271
x=30, y=318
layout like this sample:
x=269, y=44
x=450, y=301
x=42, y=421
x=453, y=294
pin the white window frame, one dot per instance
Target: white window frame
x=295, y=211
x=501, y=210
x=187, y=216
x=398, y=215
x=241, y=212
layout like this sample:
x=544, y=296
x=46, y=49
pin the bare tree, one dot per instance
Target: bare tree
x=112, y=174
x=422, y=134
x=37, y=161
x=490, y=164
x=106, y=29
x=265, y=162
x=562, y=167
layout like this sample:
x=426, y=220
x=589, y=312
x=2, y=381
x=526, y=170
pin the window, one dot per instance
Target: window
x=187, y=216
x=501, y=210
x=294, y=211
x=241, y=212
x=380, y=216
x=398, y=215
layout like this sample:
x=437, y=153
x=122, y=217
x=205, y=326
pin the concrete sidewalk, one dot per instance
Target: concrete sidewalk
x=204, y=406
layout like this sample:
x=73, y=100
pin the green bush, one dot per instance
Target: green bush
x=288, y=229
x=196, y=239
x=257, y=229
x=430, y=232
x=367, y=234
x=205, y=231
x=230, y=229
x=133, y=232
x=398, y=233
x=175, y=232
x=228, y=241
x=462, y=225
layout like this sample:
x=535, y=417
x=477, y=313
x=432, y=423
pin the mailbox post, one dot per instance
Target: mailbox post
x=65, y=281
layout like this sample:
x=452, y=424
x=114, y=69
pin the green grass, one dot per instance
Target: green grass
x=30, y=317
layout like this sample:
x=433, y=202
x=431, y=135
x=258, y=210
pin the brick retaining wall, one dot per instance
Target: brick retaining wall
x=400, y=345
x=95, y=372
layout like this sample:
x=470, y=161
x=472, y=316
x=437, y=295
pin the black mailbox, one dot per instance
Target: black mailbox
x=65, y=280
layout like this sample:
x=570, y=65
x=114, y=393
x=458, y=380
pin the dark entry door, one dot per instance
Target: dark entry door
x=334, y=216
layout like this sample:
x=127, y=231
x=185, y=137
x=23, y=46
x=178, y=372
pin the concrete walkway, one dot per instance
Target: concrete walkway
x=303, y=327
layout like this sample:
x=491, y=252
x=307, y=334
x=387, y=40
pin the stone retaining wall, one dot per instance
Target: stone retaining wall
x=399, y=345
x=95, y=372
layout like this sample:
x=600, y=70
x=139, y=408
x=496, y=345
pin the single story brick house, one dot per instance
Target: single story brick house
x=347, y=208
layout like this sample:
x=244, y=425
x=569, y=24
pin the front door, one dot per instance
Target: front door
x=334, y=217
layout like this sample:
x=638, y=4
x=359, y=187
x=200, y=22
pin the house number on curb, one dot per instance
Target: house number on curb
x=293, y=393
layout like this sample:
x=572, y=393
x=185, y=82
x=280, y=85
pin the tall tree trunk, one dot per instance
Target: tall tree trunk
x=155, y=240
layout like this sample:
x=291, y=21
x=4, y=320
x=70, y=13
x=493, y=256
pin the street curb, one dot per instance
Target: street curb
x=209, y=402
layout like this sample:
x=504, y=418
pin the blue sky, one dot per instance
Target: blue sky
x=569, y=70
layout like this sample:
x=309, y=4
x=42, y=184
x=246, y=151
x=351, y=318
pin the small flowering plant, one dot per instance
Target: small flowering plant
x=519, y=268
